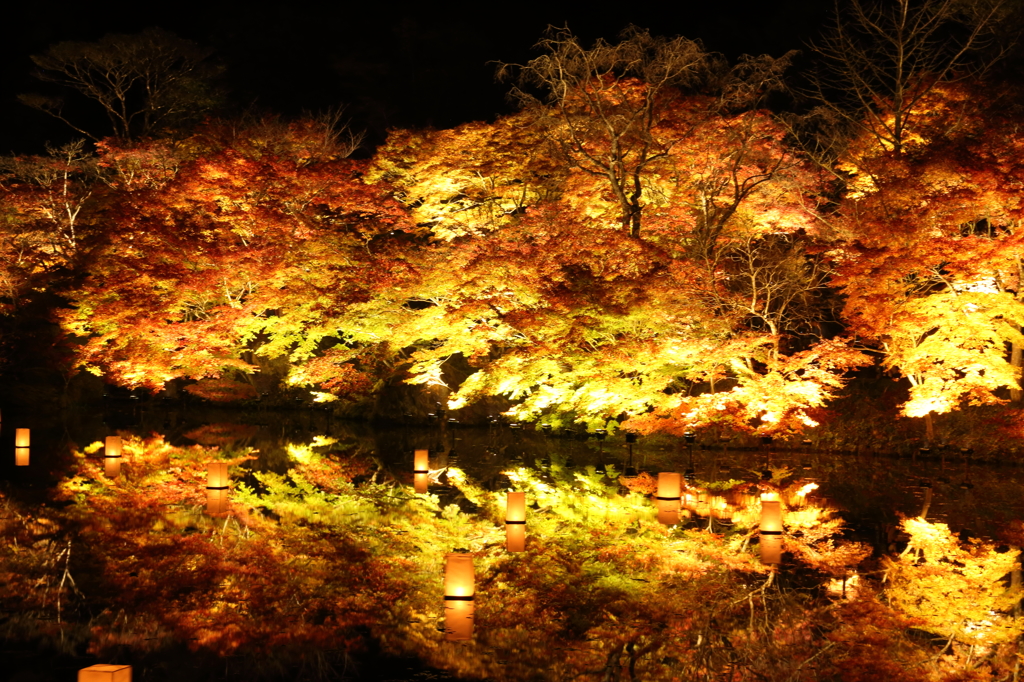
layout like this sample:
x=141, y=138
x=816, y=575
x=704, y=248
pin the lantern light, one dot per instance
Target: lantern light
x=112, y=457
x=668, y=497
x=515, y=522
x=21, y=438
x=21, y=457
x=420, y=470
x=105, y=673
x=459, y=588
x=217, y=489
x=771, y=529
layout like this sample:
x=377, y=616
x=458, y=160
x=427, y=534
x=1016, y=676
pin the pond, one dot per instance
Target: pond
x=328, y=565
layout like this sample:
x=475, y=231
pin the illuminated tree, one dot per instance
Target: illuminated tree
x=471, y=180
x=52, y=192
x=931, y=261
x=603, y=105
x=239, y=244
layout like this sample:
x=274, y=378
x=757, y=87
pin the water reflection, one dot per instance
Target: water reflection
x=871, y=489
x=530, y=597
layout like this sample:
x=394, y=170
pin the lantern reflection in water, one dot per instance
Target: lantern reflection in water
x=112, y=457
x=515, y=522
x=217, y=489
x=105, y=673
x=21, y=443
x=459, y=589
x=668, y=497
x=771, y=529
x=420, y=470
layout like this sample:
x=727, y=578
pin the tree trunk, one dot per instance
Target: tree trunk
x=927, y=503
x=929, y=430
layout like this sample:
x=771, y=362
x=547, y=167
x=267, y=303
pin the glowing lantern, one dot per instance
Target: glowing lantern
x=217, y=489
x=459, y=588
x=668, y=497
x=112, y=457
x=771, y=529
x=515, y=522
x=21, y=438
x=421, y=470
x=21, y=457
x=105, y=673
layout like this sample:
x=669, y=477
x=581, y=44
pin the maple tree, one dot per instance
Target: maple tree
x=930, y=259
x=230, y=247
x=602, y=106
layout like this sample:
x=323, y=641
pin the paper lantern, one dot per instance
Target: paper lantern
x=105, y=673
x=459, y=589
x=771, y=529
x=421, y=470
x=668, y=497
x=112, y=457
x=515, y=522
x=771, y=516
x=21, y=438
x=669, y=486
x=21, y=457
x=217, y=489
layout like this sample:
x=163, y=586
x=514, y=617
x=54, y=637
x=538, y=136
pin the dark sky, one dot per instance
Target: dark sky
x=393, y=64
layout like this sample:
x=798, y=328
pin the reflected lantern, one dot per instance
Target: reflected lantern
x=105, y=673
x=420, y=470
x=112, y=457
x=459, y=590
x=515, y=522
x=771, y=529
x=21, y=457
x=217, y=489
x=668, y=497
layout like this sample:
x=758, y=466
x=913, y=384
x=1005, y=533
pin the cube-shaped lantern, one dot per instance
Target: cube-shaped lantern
x=421, y=470
x=771, y=529
x=21, y=438
x=515, y=522
x=112, y=457
x=771, y=516
x=459, y=590
x=669, y=487
x=105, y=673
x=217, y=489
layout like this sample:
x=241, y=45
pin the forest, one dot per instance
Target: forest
x=658, y=244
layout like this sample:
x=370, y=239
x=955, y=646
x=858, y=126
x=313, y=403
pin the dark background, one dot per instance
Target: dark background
x=392, y=64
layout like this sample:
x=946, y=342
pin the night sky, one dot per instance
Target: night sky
x=392, y=64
